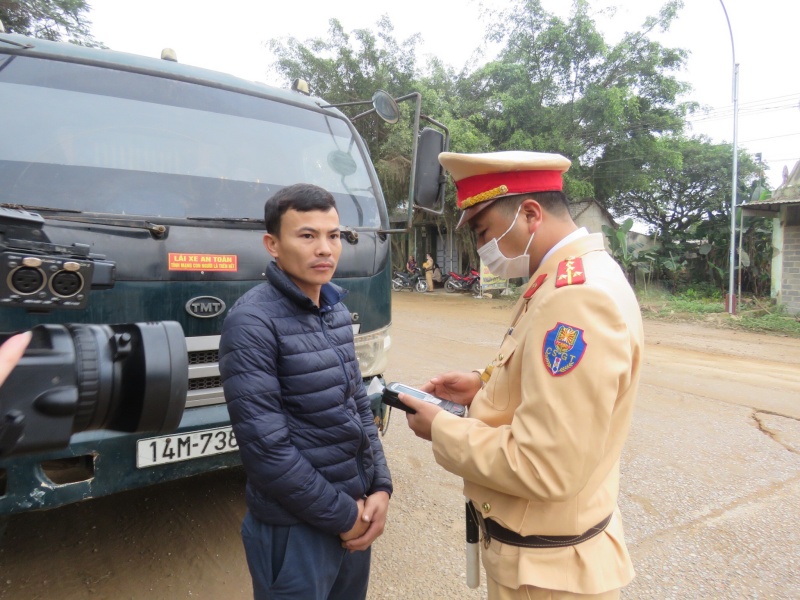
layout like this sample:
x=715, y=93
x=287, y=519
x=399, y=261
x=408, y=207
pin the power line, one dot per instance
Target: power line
x=772, y=137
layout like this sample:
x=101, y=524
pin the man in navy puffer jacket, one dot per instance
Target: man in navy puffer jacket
x=317, y=482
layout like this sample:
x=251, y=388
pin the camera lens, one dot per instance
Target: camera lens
x=131, y=377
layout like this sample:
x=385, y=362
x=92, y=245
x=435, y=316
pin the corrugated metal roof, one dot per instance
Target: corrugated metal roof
x=786, y=193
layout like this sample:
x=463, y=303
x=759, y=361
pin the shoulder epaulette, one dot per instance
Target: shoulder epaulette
x=570, y=272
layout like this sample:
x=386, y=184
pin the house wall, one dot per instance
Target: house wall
x=790, y=281
x=776, y=266
x=447, y=254
x=588, y=214
x=592, y=218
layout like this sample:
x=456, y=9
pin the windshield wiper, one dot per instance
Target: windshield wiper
x=17, y=44
x=78, y=216
x=39, y=208
x=227, y=219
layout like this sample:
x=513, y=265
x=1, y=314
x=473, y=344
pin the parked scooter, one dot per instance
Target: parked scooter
x=470, y=282
x=405, y=281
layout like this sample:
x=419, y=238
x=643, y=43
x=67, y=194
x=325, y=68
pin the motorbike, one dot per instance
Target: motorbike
x=469, y=282
x=409, y=281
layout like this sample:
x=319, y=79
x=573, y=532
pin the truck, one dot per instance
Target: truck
x=162, y=169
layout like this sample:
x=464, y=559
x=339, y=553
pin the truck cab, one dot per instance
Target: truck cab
x=163, y=169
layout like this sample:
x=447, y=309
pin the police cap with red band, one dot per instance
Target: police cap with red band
x=482, y=178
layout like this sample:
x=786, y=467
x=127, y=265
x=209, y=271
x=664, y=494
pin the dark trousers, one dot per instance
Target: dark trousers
x=298, y=562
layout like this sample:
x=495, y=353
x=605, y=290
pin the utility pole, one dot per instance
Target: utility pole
x=731, y=308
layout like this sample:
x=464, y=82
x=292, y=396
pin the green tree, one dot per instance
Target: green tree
x=684, y=182
x=684, y=195
x=629, y=255
x=55, y=20
x=558, y=86
x=350, y=67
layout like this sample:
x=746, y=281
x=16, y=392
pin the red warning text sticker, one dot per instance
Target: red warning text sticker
x=202, y=262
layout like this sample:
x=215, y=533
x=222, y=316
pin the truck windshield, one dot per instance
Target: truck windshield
x=100, y=140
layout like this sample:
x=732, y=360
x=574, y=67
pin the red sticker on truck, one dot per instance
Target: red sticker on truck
x=202, y=262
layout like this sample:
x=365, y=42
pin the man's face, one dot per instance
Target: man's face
x=493, y=222
x=308, y=248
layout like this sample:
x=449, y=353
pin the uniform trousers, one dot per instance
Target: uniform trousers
x=299, y=562
x=529, y=592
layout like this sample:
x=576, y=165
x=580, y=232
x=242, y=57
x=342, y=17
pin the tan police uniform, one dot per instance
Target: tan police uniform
x=427, y=266
x=540, y=450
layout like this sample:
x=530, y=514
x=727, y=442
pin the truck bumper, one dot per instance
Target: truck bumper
x=98, y=463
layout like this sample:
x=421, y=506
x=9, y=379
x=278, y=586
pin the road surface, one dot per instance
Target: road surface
x=710, y=484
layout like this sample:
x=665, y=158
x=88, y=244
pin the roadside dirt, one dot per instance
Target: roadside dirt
x=710, y=484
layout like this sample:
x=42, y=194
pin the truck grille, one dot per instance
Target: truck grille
x=204, y=383
x=202, y=357
x=205, y=386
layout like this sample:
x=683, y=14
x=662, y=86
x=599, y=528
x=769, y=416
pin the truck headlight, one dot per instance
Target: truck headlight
x=372, y=351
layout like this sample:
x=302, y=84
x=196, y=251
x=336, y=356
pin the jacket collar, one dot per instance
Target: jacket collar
x=330, y=294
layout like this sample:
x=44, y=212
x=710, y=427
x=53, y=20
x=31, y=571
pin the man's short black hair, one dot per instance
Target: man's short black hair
x=555, y=203
x=302, y=197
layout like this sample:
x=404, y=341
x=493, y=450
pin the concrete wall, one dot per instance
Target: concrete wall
x=776, y=266
x=790, y=281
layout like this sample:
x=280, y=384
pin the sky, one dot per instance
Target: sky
x=764, y=38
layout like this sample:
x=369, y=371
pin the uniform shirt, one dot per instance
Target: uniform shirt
x=540, y=450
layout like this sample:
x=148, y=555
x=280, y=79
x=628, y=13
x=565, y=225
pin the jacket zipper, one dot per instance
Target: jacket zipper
x=356, y=418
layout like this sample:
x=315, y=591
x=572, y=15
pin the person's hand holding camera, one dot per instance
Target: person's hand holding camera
x=11, y=352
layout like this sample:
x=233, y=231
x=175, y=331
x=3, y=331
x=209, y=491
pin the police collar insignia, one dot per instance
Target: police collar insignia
x=563, y=349
x=570, y=272
x=535, y=286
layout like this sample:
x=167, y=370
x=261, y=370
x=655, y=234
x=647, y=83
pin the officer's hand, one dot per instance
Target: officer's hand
x=359, y=527
x=374, y=515
x=457, y=386
x=420, y=423
x=10, y=353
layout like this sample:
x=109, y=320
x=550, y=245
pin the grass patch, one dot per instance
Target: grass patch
x=754, y=314
x=771, y=323
x=696, y=306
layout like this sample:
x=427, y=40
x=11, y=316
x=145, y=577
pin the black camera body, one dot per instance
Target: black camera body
x=131, y=377
x=39, y=275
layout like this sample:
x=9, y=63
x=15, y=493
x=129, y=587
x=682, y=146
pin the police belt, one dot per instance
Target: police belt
x=492, y=530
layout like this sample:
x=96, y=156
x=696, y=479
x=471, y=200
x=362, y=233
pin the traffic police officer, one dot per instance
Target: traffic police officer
x=540, y=449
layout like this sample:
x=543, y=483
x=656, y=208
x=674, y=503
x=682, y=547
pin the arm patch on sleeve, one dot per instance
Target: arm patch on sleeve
x=563, y=349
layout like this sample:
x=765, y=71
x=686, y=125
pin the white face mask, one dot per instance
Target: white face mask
x=499, y=264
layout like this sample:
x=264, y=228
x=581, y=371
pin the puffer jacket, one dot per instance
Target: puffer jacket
x=298, y=406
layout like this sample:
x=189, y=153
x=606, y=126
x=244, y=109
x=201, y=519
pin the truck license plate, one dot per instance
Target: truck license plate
x=175, y=448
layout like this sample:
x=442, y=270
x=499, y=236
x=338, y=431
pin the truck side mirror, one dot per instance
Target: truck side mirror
x=430, y=179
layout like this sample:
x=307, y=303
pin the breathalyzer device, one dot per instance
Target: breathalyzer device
x=390, y=397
